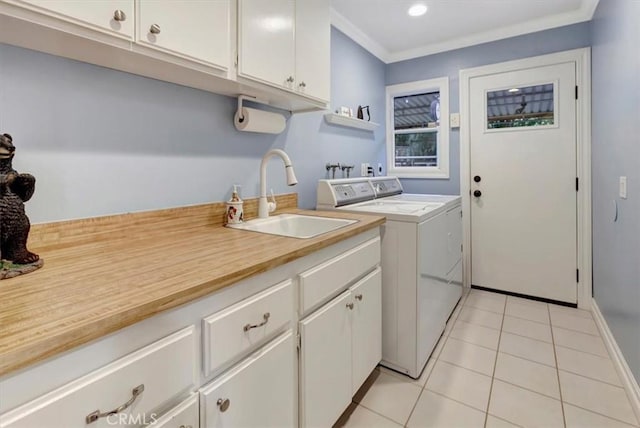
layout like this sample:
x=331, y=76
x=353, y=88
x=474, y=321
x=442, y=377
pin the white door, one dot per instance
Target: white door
x=366, y=343
x=325, y=363
x=523, y=182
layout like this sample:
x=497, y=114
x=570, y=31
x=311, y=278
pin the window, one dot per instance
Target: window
x=521, y=107
x=418, y=129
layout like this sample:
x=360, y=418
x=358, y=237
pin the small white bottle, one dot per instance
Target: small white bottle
x=235, y=212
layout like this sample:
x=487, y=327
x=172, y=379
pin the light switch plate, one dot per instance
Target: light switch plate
x=454, y=120
x=623, y=187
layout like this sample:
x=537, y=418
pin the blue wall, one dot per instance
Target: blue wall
x=450, y=63
x=615, y=37
x=101, y=141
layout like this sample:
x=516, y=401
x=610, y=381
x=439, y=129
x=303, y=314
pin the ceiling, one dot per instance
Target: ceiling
x=384, y=28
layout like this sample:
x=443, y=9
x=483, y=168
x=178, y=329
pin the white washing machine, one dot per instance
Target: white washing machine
x=421, y=262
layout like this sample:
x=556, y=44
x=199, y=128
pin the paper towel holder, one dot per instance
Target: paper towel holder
x=248, y=98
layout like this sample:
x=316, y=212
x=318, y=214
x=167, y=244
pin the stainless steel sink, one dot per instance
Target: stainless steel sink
x=294, y=225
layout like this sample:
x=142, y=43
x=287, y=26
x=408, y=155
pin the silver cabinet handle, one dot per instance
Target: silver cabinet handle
x=302, y=85
x=265, y=319
x=94, y=416
x=359, y=297
x=223, y=404
x=350, y=306
x=290, y=79
x=155, y=29
x=119, y=16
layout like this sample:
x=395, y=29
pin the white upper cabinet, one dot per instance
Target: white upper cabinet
x=286, y=44
x=313, y=49
x=113, y=17
x=266, y=41
x=198, y=30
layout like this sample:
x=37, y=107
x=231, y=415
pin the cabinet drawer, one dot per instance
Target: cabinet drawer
x=166, y=368
x=237, y=329
x=258, y=392
x=330, y=277
x=185, y=414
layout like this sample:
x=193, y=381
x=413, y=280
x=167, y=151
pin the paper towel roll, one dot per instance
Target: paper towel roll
x=259, y=121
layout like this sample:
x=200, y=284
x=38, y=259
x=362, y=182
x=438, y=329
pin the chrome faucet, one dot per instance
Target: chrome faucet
x=265, y=207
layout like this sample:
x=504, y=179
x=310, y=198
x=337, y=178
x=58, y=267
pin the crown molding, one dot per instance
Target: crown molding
x=584, y=13
x=358, y=36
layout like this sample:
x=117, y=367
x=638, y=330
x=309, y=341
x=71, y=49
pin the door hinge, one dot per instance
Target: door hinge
x=577, y=186
x=577, y=275
x=299, y=344
x=576, y=92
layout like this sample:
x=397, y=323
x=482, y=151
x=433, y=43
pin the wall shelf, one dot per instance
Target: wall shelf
x=350, y=122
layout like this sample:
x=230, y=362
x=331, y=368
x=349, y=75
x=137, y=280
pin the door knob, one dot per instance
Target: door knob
x=477, y=193
x=477, y=179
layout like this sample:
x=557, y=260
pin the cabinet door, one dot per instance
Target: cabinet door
x=325, y=363
x=266, y=41
x=259, y=392
x=195, y=29
x=111, y=16
x=366, y=333
x=313, y=49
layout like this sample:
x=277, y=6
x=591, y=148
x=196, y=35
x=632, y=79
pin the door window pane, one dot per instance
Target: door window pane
x=521, y=107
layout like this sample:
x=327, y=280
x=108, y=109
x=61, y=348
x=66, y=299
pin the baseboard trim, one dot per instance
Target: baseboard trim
x=626, y=376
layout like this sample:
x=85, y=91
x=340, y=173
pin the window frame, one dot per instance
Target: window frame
x=441, y=171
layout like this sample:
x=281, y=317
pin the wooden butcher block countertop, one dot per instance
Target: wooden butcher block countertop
x=106, y=273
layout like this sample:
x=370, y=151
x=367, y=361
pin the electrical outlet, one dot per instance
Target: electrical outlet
x=363, y=169
x=623, y=187
x=454, y=120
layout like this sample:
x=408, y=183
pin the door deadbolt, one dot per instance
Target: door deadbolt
x=477, y=179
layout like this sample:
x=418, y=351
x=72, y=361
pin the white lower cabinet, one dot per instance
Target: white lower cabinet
x=258, y=392
x=251, y=375
x=341, y=344
x=325, y=363
x=184, y=415
x=366, y=328
x=138, y=385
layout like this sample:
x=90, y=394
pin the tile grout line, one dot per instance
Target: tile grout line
x=579, y=350
x=495, y=364
x=593, y=379
x=453, y=320
x=379, y=414
x=555, y=356
x=602, y=415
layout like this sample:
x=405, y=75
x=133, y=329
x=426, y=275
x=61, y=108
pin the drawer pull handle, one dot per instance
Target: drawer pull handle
x=350, y=306
x=119, y=16
x=265, y=318
x=359, y=297
x=94, y=416
x=223, y=404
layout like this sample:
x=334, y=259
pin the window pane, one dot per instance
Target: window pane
x=518, y=107
x=416, y=111
x=416, y=149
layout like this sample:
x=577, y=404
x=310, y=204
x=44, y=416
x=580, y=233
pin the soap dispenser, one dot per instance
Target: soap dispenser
x=235, y=212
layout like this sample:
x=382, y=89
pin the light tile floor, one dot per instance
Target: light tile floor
x=502, y=362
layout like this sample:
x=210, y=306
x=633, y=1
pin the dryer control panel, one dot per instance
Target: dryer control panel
x=340, y=192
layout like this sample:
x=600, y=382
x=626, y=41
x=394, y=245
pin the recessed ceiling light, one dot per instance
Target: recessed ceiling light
x=514, y=90
x=417, y=10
